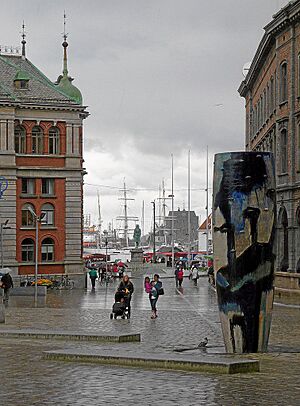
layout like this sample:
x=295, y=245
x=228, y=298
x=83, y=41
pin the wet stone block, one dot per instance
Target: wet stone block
x=210, y=364
x=70, y=335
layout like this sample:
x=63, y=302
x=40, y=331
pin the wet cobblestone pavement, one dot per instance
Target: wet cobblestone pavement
x=184, y=320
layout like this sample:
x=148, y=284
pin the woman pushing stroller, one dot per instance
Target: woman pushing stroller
x=126, y=289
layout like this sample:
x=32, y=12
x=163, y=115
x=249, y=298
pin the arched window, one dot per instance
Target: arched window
x=299, y=147
x=298, y=74
x=283, y=240
x=28, y=219
x=27, y=250
x=37, y=140
x=48, y=250
x=272, y=101
x=298, y=240
x=54, y=140
x=20, y=140
x=48, y=212
x=283, y=82
x=284, y=151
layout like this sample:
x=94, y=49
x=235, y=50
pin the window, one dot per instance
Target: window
x=283, y=151
x=265, y=106
x=298, y=75
x=272, y=103
x=20, y=140
x=28, y=186
x=283, y=82
x=37, y=140
x=48, y=211
x=47, y=186
x=299, y=147
x=54, y=140
x=47, y=250
x=27, y=250
x=27, y=217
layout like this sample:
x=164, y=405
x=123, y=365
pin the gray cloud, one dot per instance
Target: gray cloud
x=152, y=73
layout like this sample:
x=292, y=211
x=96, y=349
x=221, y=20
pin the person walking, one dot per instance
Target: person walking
x=180, y=277
x=126, y=287
x=195, y=275
x=93, y=276
x=6, y=284
x=154, y=294
x=176, y=275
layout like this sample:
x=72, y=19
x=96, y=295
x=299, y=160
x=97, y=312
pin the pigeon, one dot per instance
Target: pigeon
x=203, y=343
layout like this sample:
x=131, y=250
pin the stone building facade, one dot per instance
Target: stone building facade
x=272, y=99
x=181, y=226
x=41, y=159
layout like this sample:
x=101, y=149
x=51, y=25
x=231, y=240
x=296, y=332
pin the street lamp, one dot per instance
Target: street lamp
x=106, y=244
x=38, y=219
x=3, y=226
x=154, y=254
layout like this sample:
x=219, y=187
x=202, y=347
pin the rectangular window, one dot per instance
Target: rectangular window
x=47, y=253
x=28, y=186
x=27, y=253
x=47, y=186
x=283, y=152
x=283, y=82
x=299, y=147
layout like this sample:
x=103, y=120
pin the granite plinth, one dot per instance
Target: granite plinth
x=70, y=335
x=212, y=364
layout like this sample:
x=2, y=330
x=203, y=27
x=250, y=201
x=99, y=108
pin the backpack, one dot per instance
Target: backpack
x=180, y=274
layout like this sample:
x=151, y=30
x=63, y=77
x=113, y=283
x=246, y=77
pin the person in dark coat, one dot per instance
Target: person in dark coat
x=126, y=287
x=6, y=284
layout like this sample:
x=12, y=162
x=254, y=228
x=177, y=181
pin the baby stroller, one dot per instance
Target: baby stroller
x=120, y=308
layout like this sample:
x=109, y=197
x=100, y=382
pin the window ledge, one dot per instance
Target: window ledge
x=283, y=103
x=28, y=196
x=45, y=196
x=27, y=228
x=46, y=227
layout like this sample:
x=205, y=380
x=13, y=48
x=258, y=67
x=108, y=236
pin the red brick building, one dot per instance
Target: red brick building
x=272, y=93
x=41, y=158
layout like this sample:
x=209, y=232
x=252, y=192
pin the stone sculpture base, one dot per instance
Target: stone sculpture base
x=136, y=258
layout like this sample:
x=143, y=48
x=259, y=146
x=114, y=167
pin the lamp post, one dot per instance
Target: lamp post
x=172, y=218
x=106, y=244
x=38, y=219
x=3, y=226
x=154, y=254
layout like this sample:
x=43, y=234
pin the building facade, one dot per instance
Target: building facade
x=41, y=160
x=180, y=218
x=272, y=99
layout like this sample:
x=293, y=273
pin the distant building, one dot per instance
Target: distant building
x=202, y=232
x=41, y=158
x=272, y=93
x=181, y=226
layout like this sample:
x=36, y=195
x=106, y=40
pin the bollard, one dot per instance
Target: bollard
x=2, y=314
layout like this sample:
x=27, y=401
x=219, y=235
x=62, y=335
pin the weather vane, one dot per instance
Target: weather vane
x=65, y=34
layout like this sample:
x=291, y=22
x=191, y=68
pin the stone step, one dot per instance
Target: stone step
x=209, y=363
x=70, y=335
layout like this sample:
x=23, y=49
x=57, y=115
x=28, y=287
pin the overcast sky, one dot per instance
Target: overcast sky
x=158, y=77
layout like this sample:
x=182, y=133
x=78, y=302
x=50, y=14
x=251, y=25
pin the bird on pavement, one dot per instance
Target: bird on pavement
x=203, y=343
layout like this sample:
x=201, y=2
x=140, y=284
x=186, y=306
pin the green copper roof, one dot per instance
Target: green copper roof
x=64, y=83
x=21, y=75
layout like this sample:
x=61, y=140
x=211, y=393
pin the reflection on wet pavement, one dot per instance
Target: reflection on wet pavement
x=184, y=320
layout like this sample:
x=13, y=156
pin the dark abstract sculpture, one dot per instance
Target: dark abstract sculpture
x=244, y=215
